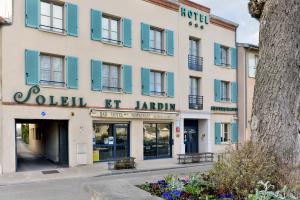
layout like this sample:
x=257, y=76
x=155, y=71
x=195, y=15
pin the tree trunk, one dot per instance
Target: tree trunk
x=276, y=104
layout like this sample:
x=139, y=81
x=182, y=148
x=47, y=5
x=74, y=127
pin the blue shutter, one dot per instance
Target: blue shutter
x=217, y=50
x=145, y=36
x=72, y=72
x=32, y=62
x=217, y=133
x=32, y=13
x=233, y=58
x=96, y=75
x=170, y=42
x=127, y=79
x=96, y=25
x=217, y=86
x=127, y=32
x=234, y=95
x=72, y=19
x=170, y=84
x=234, y=133
x=145, y=79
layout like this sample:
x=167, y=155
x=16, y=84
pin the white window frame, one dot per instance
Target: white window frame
x=110, y=87
x=197, y=85
x=109, y=39
x=223, y=133
x=225, y=59
x=225, y=97
x=52, y=28
x=252, y=68
x=197, y=41
x=51, y=82
x=158, y=49
x=153, y=84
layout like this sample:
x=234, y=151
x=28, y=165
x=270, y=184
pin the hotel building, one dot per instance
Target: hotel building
x=91, y=81
x=247, y=61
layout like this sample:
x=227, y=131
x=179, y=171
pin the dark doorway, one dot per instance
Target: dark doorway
x=41, y=144
x=111, y=141
x=191, y=138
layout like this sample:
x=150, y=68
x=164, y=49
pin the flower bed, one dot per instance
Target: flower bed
x=199, y=187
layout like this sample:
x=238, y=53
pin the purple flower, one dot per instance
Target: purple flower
x=226, y=196
x=165, y=195
x=163, y=183
x=170, y=198
x=176, y=193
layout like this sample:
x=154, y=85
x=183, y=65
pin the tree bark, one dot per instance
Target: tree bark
x=276, y=104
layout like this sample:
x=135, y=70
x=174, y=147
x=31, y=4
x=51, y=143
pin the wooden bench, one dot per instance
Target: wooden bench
x=122, y=163
x=195, y=158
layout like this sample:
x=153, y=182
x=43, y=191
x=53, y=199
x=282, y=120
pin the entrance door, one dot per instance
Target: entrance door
x=191, y=138
x=111, y=141
x=63, y=143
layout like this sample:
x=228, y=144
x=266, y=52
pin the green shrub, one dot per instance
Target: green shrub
x=242, y=169
x=25, y=133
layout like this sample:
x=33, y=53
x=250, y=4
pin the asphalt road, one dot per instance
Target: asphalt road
x=76, y=188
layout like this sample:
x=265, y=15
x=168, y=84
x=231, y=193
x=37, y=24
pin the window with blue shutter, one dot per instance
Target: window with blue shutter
x=217, y=53
x=96, y=75
x=32, y=62
x=234, y=92
x=234, y=133
x=96, y=25
x=145, y=36
x=72, y=19
x=217, y=88
x=72, y=72
x=170, y=42
x=127, y=79
x=145, y=80
x=32, y=12
x=170, y=84
x=217, y=133
x=233, y=58
x=127, y=32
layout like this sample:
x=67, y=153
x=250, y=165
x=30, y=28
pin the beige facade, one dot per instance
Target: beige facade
x=247, y=58
x=81, y=120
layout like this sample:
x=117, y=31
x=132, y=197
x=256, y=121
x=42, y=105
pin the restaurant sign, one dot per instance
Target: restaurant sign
x=64, y=101
x=131, y=114
x=196, y=18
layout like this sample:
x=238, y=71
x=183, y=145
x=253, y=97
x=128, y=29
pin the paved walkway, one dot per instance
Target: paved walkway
x=95, y=170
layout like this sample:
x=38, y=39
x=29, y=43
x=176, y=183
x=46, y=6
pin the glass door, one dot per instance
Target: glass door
x=121, y=140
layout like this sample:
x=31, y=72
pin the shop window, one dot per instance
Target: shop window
x=252, y=64
x=52, y=70
x=225, y=133
x=156, y=40
x=225, y=86
x=111, y=78
x=111, y=29
x=157, y=141
x=225, y=56
x=157, y=83
x=52, y=16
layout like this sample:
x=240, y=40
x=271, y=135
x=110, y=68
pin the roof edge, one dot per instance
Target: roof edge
x=165, y=3
x=248, y=46
x=219, y=21
x=195, y=5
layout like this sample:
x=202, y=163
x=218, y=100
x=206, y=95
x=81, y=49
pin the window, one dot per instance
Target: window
x=111, y=29
x=252, y=63
x=111, y=77
x=225, y=55
x=156, y=83
x=156, y=40
x=52, y=70
x=193, y=47
x=225, y=133
x=225, y=91
x=194, y=86
x=52, y=16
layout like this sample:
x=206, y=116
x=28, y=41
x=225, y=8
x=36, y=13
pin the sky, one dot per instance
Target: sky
x=236, y=11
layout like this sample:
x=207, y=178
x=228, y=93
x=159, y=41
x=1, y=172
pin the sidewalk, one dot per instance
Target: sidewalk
x=95, y=170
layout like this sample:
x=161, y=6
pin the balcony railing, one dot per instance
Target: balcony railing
x=195, y=63
x=196, y=102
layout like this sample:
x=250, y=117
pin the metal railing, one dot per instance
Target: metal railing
x=114, y=89
x=156, y=93
x=162, y=51
x=112, y=40
x=196, y=102
x=56, y=83
x=195, y=62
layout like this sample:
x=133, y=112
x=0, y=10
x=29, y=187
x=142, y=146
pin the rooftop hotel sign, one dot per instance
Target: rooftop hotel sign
x=196, y=18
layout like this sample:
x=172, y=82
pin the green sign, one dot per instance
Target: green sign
x=196, y=18
x=50, y=100
x=224, y=109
